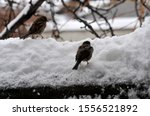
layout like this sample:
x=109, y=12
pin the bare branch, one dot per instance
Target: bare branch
x=22, y=17
x=55, y=30
x=102, y=16
x=145, y=5
x=81, y=20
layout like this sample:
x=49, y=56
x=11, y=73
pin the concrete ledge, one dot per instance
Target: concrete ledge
x=120, y=91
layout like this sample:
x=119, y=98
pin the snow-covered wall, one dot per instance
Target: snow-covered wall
x=26, y=63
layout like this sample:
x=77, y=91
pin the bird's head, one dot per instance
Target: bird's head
x=44, y=18
x=86, y=43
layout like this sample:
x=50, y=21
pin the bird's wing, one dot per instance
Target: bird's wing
x=84, y=53
x=36, y=26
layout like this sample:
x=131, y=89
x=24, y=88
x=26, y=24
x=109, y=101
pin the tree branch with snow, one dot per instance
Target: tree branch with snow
x=87, y=25
x=24, y=15
x=97, y=16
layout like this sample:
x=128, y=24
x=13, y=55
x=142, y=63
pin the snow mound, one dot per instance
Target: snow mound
x=27, y=63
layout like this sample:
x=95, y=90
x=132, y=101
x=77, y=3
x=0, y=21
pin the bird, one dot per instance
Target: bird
x=84, y=53
x=37, y=27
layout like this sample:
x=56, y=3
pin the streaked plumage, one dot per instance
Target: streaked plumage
x=84, y=53
x=37, y=27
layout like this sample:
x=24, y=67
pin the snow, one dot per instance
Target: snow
x=99, y=3
x=40, y=62
x=65, y=24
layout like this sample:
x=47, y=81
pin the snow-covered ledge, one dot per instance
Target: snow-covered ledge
x=46, y=62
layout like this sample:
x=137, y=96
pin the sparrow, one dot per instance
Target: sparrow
x=84, y=53
x=37, y=27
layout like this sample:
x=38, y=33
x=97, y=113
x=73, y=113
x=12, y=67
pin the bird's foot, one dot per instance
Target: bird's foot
x=87, y=62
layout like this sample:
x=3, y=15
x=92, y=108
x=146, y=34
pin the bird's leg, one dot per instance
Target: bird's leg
x=87, y=62
x=36, y=36
x=41, y=36
x=32, y=37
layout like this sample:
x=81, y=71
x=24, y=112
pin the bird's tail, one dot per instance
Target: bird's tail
x=76, y=65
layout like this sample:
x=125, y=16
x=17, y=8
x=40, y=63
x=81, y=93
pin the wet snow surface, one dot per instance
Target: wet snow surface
x=46, y=62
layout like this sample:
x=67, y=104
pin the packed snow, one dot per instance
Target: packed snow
x=41, y=62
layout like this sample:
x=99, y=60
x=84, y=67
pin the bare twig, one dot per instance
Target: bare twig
x=139, y=11
x=145, y=5
x=81, y=20
x=7, y=31
x=55, y=30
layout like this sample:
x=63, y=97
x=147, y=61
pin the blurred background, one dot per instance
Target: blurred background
x=75, y=20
